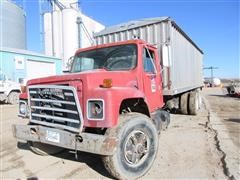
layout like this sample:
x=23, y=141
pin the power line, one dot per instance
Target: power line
x=211, y=68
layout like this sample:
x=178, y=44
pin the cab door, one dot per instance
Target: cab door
x=151, y=79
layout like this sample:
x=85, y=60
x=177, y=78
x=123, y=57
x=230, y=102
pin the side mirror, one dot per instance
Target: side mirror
x=166, y=55
x=69, y=64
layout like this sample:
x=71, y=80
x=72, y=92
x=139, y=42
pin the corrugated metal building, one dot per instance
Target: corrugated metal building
x=21, y=65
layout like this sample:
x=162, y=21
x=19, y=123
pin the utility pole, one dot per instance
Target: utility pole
x=211, y=68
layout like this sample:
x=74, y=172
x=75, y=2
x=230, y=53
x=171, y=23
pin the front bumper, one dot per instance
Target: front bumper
x=87, y=142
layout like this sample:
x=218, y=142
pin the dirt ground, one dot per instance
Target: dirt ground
x=225, y=119
x=187, y=150
x=227, y=109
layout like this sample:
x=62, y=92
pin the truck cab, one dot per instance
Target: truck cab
x=109, y=104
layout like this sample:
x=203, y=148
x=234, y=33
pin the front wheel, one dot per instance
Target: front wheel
x=136, y=149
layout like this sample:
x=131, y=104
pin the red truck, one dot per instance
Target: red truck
x=114, y=100
x=110, y=104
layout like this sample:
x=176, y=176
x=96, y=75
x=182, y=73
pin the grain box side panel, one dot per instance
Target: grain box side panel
x=186, y=69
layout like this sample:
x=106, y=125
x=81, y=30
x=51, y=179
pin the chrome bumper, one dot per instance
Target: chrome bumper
x=87, y=142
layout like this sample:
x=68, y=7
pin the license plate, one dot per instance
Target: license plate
x=52, y=136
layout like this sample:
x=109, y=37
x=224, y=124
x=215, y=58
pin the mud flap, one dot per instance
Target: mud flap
x=161, y=119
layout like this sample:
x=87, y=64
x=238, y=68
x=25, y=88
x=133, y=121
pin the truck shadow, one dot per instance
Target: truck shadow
x=93, y=161
x=225, y=96
x=174, y=111
x=233, y=120
x=219, y=95
x=3, y=103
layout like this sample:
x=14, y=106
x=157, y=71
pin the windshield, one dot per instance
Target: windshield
x=112, y=59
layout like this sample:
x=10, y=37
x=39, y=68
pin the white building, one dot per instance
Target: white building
x=66, y=29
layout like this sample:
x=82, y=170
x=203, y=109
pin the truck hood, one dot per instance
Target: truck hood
x=54, y=79
x=93, y=78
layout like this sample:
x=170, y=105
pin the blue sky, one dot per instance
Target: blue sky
x=212, y=25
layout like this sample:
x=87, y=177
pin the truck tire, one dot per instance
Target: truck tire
x=13, y=97
x=44, y=149
x=136, y=149
x=184, y=103
x=193, y=104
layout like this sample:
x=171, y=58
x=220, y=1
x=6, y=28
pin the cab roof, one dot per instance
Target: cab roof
x=134, y=41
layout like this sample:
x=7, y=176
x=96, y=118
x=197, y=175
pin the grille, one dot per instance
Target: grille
x=55, y=106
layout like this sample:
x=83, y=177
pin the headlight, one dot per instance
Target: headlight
x=23, y=109
x=95, y=109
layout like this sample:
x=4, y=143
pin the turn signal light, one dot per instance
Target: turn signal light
x=23, y=89
x=107, y=83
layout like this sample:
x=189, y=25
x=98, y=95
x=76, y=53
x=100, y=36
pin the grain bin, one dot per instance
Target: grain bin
x=69, y=31
x=48, y=35
x=57, y=33
x=13, y=25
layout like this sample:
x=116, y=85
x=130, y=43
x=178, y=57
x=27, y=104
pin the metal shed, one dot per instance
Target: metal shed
x=20, y=65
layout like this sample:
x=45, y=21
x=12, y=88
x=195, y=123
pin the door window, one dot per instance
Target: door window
x=148, y=60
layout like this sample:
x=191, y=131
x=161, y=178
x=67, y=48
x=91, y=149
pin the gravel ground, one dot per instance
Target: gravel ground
x=187, y=150
x=225, y=119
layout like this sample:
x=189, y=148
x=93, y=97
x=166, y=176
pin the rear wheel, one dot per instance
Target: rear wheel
x=136, y=148
x=44, y=149
x=193, y=103
x=13, y=98
x=200, y=100
x=184, y=103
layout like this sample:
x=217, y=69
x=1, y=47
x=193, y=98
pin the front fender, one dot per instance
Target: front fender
x=112, y=100
x=23, y=96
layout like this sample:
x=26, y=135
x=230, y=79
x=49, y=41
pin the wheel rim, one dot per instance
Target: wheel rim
x=136, y=148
